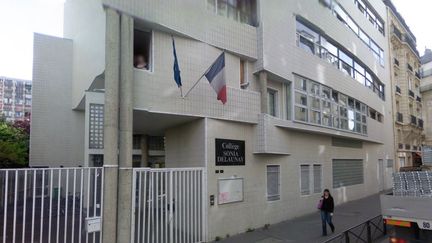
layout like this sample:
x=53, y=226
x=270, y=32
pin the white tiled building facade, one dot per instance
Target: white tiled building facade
x=15, y=99
x=308, y=94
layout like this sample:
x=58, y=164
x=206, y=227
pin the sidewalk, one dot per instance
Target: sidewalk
x=308, y=228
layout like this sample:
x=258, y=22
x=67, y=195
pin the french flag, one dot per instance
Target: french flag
x=216, y=77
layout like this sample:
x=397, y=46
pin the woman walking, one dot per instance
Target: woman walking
x=326, y=206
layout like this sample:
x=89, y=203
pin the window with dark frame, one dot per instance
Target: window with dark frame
x=142, y=49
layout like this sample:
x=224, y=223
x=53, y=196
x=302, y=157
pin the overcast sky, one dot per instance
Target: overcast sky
x=20, y=18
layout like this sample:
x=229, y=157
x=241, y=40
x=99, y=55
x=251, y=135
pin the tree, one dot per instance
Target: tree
x=14, y=144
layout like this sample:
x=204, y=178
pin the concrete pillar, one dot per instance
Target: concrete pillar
x=112, y=58
x=144, y=151
x=263, y=87
x=126, y=130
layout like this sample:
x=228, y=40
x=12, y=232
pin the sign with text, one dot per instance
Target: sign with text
x=230, y=152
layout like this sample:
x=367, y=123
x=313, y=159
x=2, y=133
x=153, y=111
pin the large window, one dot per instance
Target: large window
x=273, y=182
x=142, y=50
x=342, y=15
x=272, y=102
x=347, y=172
x=368, y=12
x=318, y=104
x=310, y=179
x=321, y=46
x=243, y=11
x=304, y=179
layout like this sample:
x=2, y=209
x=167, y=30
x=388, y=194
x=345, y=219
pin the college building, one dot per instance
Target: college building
x=309, y=100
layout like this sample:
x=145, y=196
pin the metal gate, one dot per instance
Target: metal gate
x=168, y=205
x=50, y=205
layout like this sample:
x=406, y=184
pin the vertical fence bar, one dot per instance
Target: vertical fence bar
x=88, y=200
x=176, y=208
x=73, y=205
x=199, y=198
x=188, y=208
x=66, y=205
x=58, y=203
x=137, y=179
x=101, y=200
x=15, y=206
x=50, y=205
x=42, y=205
x=33, y=206
x=144, y=203
x=133, y=209
x=171, y=202
x=95, y=174
x=81, y=206
x=165, y=225
x=183, y=187
x=156, y=198
x=149, y=206
x=5, y=205
x=25, y=207
x=194, y=207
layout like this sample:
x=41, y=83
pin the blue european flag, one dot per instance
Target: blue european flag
x=176, y=67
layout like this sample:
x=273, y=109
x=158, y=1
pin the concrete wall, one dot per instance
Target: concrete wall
x=57, y=131
x=84, y=23
x=255, y=211
x=184, y=145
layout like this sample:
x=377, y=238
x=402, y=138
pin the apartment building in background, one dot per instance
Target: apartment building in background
x=309, y=99
x=405, y=79
x=426, y=91
x=15, y=99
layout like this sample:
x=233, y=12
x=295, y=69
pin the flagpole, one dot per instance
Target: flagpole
x=199, y=79
x=181, y=92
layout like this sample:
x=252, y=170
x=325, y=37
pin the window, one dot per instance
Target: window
x=369, y=14
x=142, y=49
x=347, y=172
x=96, y=126
x=304, y=179
x=390, y=163
x=243, y=11
x=317, y=178
x=273, y=182
x=272, y=102
x=321, y=46
x=244, y=83
x=342, y=16
x=318, y=104
x=288, y=101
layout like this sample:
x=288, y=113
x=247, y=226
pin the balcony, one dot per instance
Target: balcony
x=396, y=62
x=418, y=99
x=417, y=74
x=420, y=123
x=411, y=93
x=410, y=67
x=399, y=117
x=400, y=146
x=413, y=120
x=397, y=32
x=398, y=90
x=407, y=147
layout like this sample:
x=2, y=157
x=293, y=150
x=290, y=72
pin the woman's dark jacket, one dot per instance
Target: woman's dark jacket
x=327, y=204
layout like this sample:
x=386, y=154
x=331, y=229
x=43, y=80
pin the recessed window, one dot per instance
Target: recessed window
x=244, y=83
x=317, y=178
x=142, y=49
x=347, y=172
x=273, y=182
x=243, y=11
x=304, y=179
x=272, y=102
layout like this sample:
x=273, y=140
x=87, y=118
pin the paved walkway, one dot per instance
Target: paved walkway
x=308, y=228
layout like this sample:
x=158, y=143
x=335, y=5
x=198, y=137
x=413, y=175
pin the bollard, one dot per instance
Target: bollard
x=347, y=240
x=369, y=235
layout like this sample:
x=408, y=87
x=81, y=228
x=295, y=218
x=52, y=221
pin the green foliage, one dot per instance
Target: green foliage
x=14, y=144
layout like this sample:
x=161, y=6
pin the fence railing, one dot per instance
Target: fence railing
x=50, y=204
x=169, y=205
x=367, y=232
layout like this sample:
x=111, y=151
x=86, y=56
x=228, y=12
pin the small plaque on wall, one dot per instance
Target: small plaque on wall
x=230, y=152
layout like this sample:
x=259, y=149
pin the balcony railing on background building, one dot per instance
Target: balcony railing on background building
x=398, y=89
x=411, y=93
x=418, y=99
x=420, y=123
x=399, y=117
x=400, y=146
x=396, y=62
x=397, y=32
x=413, y=120
x=409, y=67
x=407, y=147
x=417, y=74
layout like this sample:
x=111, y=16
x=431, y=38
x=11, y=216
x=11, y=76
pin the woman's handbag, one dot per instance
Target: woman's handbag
x=319, y=206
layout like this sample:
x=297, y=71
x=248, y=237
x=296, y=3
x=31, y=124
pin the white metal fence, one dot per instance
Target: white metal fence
x=50, y=205
x=169, y=205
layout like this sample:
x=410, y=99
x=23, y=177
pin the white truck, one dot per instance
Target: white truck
x=410, y=203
